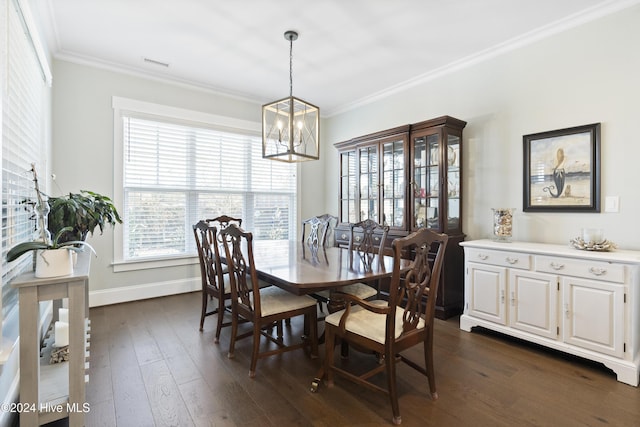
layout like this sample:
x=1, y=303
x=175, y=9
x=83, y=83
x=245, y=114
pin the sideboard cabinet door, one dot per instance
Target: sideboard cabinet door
x=486, y=292
x=593, y=315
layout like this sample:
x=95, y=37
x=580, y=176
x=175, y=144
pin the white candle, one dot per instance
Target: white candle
x=592, y=235
x=61, y=332
x=63, y=315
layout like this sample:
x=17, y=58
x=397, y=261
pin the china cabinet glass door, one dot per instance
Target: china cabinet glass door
x=436, y=177
x=426, y=181
x=373, y=181
x=453, y=182
x=394, y=188
x=348, y=186
x=368, y=172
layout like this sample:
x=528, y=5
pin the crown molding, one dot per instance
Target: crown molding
x=588, y=15
x=150, y=75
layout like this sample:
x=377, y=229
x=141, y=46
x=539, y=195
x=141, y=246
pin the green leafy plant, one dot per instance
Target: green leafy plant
x=82, y=212
x=24, y=247
x=69, y=219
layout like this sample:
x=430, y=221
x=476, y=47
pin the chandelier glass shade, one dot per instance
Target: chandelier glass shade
x=290, y=126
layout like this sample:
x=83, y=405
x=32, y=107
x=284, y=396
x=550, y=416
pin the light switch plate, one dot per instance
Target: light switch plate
x=612, y=204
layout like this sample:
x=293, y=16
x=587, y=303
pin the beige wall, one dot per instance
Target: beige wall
x=83, y=159
x=585, y=75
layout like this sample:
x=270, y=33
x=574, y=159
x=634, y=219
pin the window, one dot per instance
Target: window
x=176, y=172
x=23, y=133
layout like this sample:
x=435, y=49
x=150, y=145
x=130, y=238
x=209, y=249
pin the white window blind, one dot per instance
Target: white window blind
x=22, y=144
x=176, y=174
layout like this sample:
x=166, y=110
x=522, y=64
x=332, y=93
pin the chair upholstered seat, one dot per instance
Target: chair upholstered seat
x=274, y=300
x=359, y=290
x=368, y=324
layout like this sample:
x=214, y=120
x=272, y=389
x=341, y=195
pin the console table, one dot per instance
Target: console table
x=580, y=302
x=50, y=392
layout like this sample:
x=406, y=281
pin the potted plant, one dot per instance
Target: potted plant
x=83, y=212
x=68, y=219
x=53, y=258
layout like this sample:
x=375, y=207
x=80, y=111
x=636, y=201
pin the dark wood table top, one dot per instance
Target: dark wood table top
x=301, y=270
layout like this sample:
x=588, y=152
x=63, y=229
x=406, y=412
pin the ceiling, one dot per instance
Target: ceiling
x=349, y=52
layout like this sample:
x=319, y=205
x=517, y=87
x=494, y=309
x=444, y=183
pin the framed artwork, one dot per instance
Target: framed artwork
x=562, y=170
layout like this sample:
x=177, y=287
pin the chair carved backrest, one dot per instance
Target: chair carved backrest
x=209, y=254
x=422, y=279
x=222, y=222
x=238, y=247
x=403, y=322
x=367, y=238
x=319, y=229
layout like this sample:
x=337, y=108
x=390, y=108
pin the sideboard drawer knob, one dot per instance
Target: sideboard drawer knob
x=596, y=271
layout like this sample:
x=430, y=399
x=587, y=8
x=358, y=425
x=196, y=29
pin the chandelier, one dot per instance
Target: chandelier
x=290, y=126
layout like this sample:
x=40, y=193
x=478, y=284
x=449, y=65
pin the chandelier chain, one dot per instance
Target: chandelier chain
x=291, y=66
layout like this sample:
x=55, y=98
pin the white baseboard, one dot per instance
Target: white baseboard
x=140, y=292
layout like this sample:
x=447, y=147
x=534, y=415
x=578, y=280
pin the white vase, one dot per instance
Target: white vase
x=54, y=262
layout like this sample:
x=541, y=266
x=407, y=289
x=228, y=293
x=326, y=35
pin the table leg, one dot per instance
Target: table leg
x=335, y=303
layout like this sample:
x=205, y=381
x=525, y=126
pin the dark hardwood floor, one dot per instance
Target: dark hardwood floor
x=150, y=366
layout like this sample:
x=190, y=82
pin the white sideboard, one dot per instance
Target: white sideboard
x=580, y=302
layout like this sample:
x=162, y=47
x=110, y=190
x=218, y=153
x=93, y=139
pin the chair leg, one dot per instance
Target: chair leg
x=344, y=349
x=428, y=362
x=204, y=310
x=390, y=361
x=306, y=331
x=234, y=332
x=329, y=347
x=256, y=348
x=220, y=318
x=279, y=328
x=312, y=319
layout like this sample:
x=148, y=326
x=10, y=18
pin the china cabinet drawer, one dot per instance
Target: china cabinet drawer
x=503, y=259
x=602, y=271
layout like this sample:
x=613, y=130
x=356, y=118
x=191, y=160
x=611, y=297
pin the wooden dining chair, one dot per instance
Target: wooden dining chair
x=221, y=222
x=366, y=239
x=390, y=327
x=214, y=283
x=262, y=306
x=319, y=229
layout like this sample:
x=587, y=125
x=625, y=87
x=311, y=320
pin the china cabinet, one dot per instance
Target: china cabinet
x=409, y=177
x=580, y=302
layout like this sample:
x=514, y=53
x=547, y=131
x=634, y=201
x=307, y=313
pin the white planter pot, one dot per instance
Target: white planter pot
x=54, y=262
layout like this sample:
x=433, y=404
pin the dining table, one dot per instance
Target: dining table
x=305, y=269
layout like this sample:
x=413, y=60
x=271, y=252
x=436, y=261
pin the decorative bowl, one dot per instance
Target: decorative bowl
x=603, y=246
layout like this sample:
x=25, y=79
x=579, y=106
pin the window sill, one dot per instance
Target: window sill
x=122, y=266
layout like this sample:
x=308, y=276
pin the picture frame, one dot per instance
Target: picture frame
x=562, y=170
